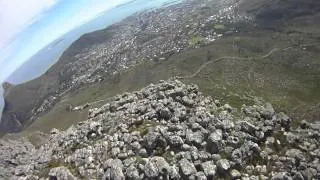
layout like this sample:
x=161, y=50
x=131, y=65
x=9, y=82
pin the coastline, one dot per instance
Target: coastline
x=96, y=24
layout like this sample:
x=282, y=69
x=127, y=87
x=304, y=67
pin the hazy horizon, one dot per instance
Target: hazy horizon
x=21, y=40
x=28, y=50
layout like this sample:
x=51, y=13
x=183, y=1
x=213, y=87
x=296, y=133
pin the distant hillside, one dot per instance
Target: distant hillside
x=94, y=56
x=289, y=78
x=275, y=13
x=23, y=99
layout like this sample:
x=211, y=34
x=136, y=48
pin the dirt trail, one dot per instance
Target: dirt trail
x=203, y=66
x=243, y=58
x=229, y=57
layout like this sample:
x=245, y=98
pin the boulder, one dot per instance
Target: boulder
x=61, y=173
x=175, y=141
x=187, y=101
x=295, y=153
x=209, y=168
x=153, y=140
x=266, y=111
x=223, y=166
x=214, y=141
x=156, y=166
x=195, y=138
x=187, y=168
x=235, y=174
x=115, y=170
x=200, y=176
x=281, y=176
x=284, y=120
x=132, y=173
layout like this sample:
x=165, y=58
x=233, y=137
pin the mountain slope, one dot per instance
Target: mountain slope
x=106, y=52
x=289, y=78
x=170, y=130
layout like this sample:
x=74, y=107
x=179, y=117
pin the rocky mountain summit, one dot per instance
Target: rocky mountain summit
x=171, y=131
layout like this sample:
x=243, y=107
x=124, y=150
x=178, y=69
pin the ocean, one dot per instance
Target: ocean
x=45, y=58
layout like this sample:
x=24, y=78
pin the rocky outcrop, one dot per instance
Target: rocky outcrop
x=154, y=134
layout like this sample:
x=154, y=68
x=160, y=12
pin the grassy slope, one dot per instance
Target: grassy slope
x=284, y=78
x=289, y=79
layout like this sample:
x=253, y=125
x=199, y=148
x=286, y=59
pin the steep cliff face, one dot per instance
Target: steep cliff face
x=22, y=100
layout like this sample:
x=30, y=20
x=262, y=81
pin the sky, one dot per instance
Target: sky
x=29, y=25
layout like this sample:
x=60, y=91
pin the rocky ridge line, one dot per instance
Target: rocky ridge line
x=171, y=131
